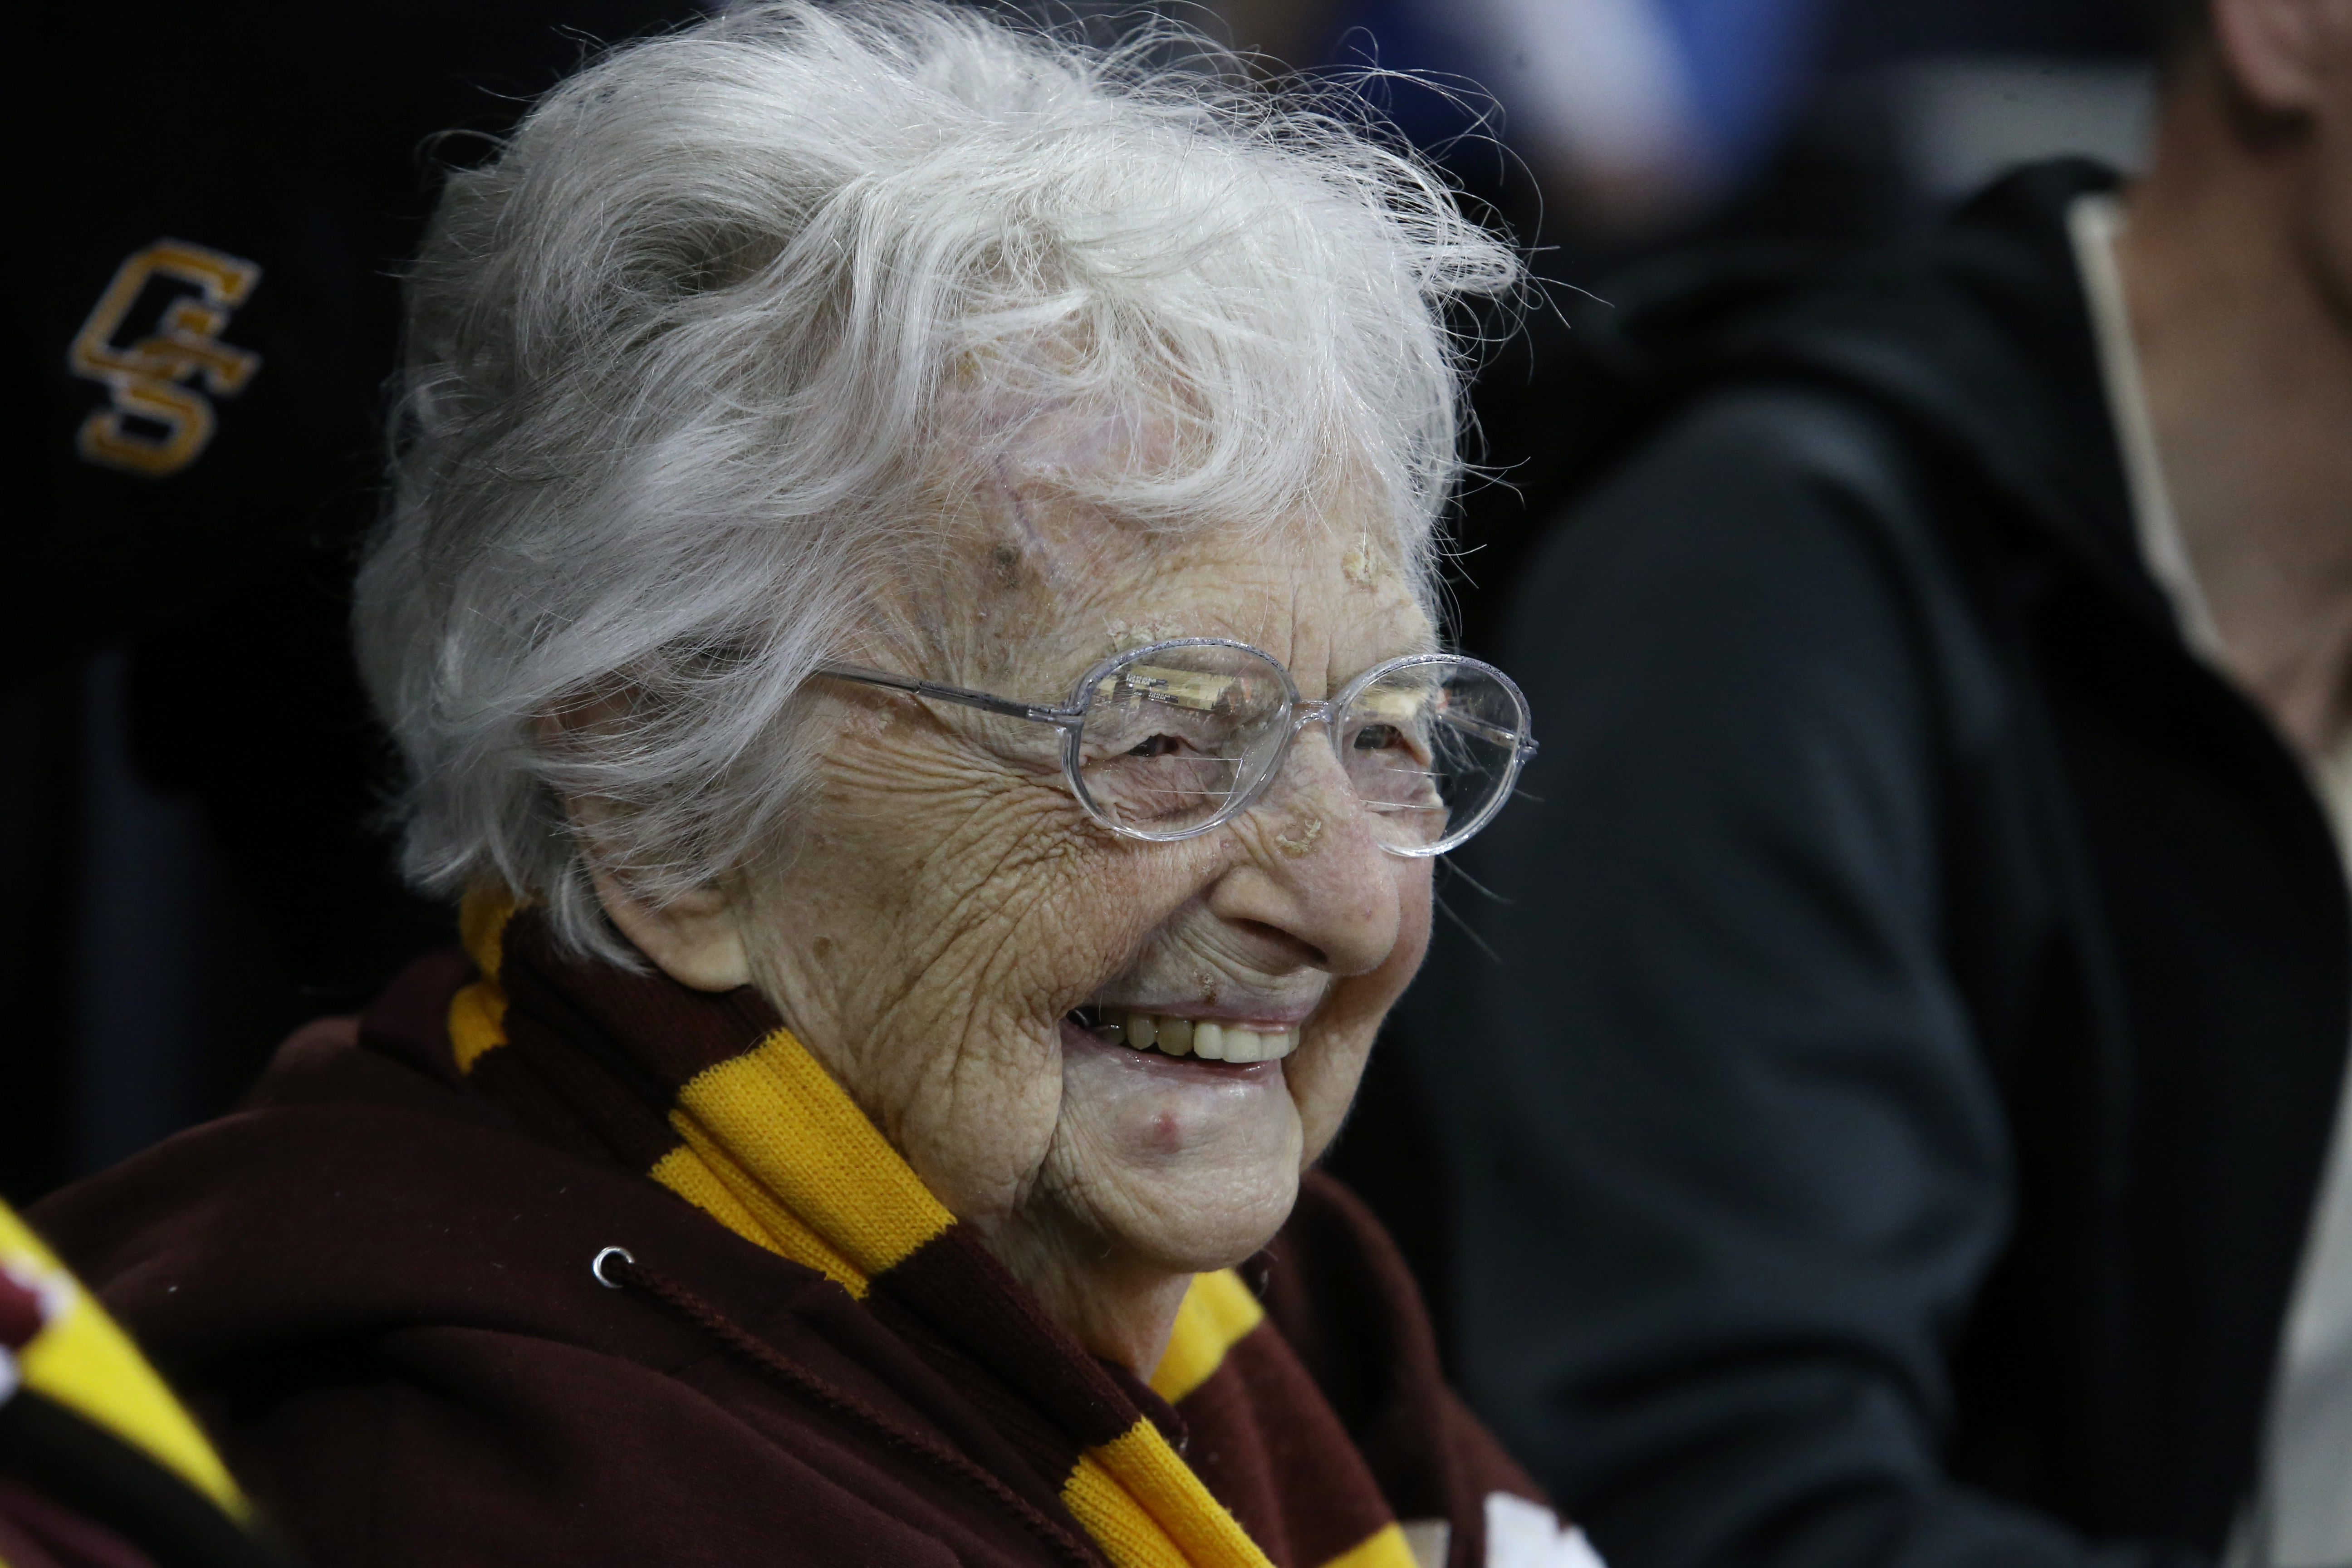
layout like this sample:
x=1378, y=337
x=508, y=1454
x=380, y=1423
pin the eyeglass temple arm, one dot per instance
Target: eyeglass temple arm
x=1062, y=717
x=1495, y=733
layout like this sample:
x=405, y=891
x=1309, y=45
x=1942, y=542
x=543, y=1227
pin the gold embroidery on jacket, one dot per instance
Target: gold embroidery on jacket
x=144, y=379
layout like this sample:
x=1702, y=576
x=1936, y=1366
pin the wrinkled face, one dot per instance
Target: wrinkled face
x=950, y=922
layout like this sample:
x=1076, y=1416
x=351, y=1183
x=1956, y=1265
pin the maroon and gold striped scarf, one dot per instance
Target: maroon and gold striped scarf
x=713, y=1098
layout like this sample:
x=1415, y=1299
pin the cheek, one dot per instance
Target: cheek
x=1097, y=914
x=1416, y=897
x=1361, y=1001
x=1323, y=1080
x=987, y=1087
x=979, y=889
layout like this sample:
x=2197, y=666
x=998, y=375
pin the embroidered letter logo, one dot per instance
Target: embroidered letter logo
x=144, y=378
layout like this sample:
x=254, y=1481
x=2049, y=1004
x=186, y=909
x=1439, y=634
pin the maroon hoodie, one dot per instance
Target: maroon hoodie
x=373, y=1283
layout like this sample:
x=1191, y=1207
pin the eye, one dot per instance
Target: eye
x=1377, y=737
x=1158, y=746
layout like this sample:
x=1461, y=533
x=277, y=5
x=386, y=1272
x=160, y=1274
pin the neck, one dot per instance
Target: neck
x=1121, y=1308
x=2245, y=346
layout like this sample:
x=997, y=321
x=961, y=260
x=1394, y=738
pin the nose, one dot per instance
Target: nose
x=1314, y=880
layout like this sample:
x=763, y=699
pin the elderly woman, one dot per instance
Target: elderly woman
x=907, y=609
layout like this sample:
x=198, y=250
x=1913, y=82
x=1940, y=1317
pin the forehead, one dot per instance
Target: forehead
x=1325, y=592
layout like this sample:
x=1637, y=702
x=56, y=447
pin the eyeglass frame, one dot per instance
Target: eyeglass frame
x=1300, y=712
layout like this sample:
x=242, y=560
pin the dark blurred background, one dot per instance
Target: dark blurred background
x=187, y=772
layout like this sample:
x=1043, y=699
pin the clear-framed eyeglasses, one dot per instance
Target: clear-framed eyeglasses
x=1171, y=740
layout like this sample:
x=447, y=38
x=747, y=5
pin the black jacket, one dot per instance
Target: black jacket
x=1885, y=1128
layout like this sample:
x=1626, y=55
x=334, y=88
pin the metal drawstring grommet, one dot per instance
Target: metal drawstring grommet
x=597, y=1267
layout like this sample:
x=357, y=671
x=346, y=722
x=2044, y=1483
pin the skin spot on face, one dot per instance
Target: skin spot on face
x=823, y=947
x=1005, y=566
x=1298, y=844
x=1358, y=564
x=1125, y=635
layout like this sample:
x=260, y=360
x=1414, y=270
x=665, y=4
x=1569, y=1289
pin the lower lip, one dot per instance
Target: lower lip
x=1181, y=1070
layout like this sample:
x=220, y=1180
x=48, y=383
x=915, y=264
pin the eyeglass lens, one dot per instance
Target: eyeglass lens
x=1430, y=748
x=1171, y=737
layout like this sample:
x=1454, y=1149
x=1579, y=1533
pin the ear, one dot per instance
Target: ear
x=694, y=940
x=2279, y=52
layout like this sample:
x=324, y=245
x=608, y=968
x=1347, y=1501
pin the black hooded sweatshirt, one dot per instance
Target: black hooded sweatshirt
x=1886, y=1128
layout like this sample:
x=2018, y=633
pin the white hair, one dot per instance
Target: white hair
x=684, y=356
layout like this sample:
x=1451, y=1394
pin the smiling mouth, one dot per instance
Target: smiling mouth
x=1201, y=1038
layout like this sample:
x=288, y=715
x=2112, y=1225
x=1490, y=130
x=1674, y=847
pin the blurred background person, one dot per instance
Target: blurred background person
x=1613, y=126
x=1891, y=1119
x=198, y=337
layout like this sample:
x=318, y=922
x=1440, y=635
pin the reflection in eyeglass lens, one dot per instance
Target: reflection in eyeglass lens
x=1168, y=743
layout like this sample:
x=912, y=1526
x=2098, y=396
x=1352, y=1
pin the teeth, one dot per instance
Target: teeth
x=1189, y=1036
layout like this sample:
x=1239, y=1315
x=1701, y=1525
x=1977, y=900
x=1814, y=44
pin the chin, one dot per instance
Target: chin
x=1190, y=1165
x=1211, y=1220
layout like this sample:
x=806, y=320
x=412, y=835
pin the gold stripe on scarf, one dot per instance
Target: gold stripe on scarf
x=1384, y=1548
x=793, y=1130
x=704, y=1175
x=478, y=1014
x=1218, y=1312
x=79, y=1357
x=1135, y=1493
